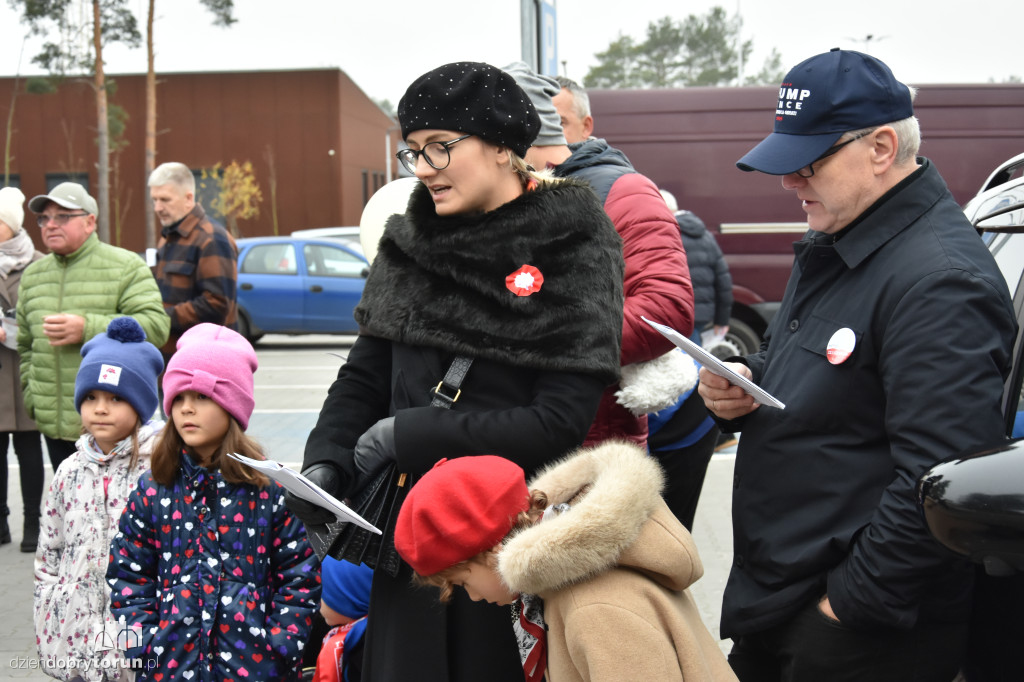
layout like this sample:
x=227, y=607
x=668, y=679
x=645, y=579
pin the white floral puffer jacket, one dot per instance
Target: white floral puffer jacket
x=72, y=598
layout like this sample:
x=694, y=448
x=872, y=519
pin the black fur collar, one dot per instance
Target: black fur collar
x=441, y=281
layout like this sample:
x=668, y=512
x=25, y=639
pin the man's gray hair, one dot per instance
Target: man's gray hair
x=580, y=98
x=173, y=173
x=908, y=135
x=908, y=132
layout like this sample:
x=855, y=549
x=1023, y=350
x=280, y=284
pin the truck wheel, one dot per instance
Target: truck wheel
x=725, y=348
x=745, y=339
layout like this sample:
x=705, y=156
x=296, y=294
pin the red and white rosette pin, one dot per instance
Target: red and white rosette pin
x=524, y=281
x=840, y=346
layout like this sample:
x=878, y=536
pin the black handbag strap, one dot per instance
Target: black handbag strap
x=447, y=390
x=381, y=500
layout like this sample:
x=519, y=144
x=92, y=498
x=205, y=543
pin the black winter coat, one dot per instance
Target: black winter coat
x=526, y=397
x=824, y=491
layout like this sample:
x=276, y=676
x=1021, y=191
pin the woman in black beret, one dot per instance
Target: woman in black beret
x=515, y=273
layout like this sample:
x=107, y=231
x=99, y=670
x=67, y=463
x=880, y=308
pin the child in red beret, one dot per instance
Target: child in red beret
x=592, y=560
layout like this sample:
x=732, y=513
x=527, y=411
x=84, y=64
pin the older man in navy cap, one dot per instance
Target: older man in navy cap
x=889, y=350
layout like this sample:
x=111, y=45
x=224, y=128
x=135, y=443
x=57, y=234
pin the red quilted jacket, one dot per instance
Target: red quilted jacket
x=657, y=280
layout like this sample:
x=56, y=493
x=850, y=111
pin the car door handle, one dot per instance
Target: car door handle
x=316, y=288
x=246, y=286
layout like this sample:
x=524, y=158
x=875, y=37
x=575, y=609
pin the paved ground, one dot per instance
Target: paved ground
x=291, y=384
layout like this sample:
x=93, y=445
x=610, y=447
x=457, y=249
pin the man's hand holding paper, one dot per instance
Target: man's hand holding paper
x=725, y=400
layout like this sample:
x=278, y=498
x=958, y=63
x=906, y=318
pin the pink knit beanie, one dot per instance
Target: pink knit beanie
x=217, y=362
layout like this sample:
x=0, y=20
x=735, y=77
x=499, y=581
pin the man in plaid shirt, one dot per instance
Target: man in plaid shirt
x=197, y=260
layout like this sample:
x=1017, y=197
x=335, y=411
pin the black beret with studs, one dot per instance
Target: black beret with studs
x=471, y=97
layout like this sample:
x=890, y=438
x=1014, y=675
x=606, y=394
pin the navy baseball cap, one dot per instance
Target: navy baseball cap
x=820, y=99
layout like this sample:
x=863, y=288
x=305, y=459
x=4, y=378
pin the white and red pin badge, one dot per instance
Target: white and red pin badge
x=525, y=280
x=840, y=346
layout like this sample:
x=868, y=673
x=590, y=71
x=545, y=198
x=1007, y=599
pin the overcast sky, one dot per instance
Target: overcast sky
x=384, y=45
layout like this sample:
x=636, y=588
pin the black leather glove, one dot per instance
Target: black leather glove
x=374, y=450
x=328, y=477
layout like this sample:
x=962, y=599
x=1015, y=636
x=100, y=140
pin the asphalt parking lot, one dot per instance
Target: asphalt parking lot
x=291, y=384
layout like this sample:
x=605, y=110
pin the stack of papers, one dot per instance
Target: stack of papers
x=300, y=486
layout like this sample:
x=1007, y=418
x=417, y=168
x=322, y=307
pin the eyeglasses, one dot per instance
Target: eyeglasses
x=808, y=170
x=436, y=154
x=57, y=219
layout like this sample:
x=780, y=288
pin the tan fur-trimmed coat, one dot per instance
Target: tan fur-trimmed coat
x=613, y=571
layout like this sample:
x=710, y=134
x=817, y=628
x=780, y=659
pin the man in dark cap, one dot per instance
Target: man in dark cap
x=889, y=350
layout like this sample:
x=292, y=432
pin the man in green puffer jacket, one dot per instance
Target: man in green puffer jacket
x=67, y=298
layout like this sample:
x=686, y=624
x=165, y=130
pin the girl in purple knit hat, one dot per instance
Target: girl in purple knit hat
x=211, y=573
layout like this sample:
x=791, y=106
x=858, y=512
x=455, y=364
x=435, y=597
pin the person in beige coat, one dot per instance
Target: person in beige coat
x=590, y=549
x=16, y=253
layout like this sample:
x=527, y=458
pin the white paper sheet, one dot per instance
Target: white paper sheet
x=708, y=338
x=716, y=366
x=300, y=486
x=11, y=327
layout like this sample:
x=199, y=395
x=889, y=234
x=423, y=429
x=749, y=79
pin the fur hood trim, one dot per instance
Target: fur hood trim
x=620, y=521
x=441, y=281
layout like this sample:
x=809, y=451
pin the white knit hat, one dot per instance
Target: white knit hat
x=12, y=208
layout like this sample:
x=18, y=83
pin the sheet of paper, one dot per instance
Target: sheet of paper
x=300, y=486
x=11, y=328
x=709, y=338
x=716, y=366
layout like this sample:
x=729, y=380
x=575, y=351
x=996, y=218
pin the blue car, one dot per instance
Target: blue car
x=292, y=285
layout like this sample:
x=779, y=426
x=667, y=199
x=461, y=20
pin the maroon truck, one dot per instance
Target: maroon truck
x=688, y=140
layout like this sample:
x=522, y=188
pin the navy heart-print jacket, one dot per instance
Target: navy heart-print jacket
x=214, y=580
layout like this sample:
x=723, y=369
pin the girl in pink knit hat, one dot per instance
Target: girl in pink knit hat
x=212, y=574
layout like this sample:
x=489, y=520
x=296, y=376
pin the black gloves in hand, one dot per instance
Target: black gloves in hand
x=375, y=449
x=328, y=477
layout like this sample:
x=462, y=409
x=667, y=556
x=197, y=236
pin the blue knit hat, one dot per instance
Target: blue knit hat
x=346, y=587
x=121, y=362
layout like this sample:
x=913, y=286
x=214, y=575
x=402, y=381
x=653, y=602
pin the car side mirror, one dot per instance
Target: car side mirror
x=974, y=505
x=1006, y=225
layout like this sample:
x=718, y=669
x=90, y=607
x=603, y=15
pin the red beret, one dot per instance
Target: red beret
x=458, y=509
